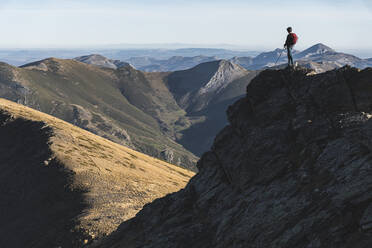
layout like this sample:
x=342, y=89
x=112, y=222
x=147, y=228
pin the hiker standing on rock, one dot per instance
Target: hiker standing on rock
x=289, y=44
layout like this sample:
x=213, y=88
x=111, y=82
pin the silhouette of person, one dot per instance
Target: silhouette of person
x=289, y=44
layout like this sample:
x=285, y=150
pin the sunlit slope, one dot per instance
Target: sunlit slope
x=110, y=182
x=95, y=99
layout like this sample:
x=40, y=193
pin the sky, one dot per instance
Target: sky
x=258, y=24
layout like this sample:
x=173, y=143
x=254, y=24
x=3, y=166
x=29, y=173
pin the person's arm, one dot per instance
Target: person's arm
x=287, y=41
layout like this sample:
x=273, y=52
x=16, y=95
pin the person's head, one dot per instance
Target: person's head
x=289, y=29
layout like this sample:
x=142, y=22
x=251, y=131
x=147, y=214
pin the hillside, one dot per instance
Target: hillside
x=62, y=186
x=292, y=169
x=97, y=99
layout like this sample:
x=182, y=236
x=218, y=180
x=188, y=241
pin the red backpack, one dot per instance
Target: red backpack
x=294, y=38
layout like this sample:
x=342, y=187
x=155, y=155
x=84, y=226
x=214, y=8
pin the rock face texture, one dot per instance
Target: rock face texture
x=292, y=169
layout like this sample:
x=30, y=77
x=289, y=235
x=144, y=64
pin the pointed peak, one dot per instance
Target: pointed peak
x=317, y=49
x=227, y=65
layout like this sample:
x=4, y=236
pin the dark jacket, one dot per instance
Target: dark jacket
x=289, y=40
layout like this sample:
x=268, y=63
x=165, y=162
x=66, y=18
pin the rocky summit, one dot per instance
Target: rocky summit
x=292, y=169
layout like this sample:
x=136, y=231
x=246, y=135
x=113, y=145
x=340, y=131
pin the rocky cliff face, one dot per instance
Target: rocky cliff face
x=292, y=169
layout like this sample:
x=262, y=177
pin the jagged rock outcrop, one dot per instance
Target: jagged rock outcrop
x=292, y=169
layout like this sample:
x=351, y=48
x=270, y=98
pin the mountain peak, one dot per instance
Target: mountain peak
x=101, y=61
x=226, y=73
x=316, y=50
x=227, y=65
x=196, y=87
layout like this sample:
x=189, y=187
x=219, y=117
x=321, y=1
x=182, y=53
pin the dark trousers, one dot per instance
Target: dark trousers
x=289, y=54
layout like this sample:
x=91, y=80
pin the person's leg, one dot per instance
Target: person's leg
x=290, y=61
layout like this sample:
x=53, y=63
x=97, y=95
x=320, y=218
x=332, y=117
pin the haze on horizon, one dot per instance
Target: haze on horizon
x=340, y=24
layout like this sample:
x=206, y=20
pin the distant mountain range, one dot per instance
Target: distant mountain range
x=19, y=57
x=318, y=53
x=325, y=57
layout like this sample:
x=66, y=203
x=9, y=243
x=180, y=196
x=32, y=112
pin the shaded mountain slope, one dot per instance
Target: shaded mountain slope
x=199, y=137
x=292, y=169
x=148, y=92
x=194, y=89
x=205, y=92
x=175, y=63
x=94, y=98
x=62, y=186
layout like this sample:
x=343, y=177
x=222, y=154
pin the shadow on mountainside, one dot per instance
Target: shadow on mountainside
x=37, y=208
x=215, y=121
x=292, y=169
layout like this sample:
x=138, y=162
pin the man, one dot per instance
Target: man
x=289, y=44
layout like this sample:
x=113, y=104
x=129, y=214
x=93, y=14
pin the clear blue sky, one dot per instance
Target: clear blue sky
x=258, y=24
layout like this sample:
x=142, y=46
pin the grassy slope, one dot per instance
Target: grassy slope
x=60, y=87
x=116, y=180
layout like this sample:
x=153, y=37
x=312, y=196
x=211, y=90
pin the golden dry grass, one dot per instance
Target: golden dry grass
x=118, y=180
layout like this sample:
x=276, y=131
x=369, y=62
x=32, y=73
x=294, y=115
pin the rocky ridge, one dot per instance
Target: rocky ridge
x=292, y=169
